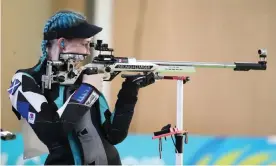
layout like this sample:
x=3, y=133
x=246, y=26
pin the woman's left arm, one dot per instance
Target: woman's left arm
x=117, y=124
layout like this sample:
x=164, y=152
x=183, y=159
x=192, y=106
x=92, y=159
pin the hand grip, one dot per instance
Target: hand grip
x=90, y=71
x=130, y=75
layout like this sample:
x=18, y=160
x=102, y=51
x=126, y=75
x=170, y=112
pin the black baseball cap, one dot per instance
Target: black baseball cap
x=81, y=30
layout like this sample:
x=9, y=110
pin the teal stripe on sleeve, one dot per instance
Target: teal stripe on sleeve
x=103, y=107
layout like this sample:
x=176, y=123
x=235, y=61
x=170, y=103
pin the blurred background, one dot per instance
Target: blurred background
x=230, y=116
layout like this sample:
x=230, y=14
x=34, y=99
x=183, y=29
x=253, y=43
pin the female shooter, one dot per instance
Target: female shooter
x=74, y=122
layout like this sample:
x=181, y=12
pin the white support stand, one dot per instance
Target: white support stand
x=179, y=122
x=177, y=131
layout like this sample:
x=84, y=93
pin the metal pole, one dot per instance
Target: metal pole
x=179, y=122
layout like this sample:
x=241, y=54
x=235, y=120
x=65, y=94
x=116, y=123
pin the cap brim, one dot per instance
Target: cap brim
x=89, y=30
x=82, y=30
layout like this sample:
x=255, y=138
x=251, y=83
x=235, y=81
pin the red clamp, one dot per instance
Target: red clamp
x=169, y=131
x=172, y=131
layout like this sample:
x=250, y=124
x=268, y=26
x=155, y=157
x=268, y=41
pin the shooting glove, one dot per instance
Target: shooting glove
x=141, y=80
x=130, y=87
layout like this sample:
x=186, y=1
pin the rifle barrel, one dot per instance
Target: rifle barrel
x=192, y=64
x=236, y=66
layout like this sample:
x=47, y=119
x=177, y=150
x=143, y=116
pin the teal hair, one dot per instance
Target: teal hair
x=62, y=19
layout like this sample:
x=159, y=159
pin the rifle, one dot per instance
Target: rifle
x=64, y=71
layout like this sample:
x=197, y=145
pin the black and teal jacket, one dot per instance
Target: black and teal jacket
x=74, y=122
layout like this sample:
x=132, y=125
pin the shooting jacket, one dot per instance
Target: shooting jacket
x=74, y=122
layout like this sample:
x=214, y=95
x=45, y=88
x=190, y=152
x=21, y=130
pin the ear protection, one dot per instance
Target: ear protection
x=62, y=45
